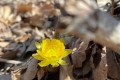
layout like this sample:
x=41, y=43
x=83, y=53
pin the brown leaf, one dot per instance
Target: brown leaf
x=31, y=70
x=23, y=38
x=66, y=71
x=40, y=73
x=16, y=75
x=37, y=21
x=113, y=66
x=10, y=51
x=47, y=9
x=22, y=8
x=100, y=72
x=5, y=31
x=79, y=55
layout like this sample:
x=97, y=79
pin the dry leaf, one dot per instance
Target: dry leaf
x=4, y=44
x=16, y=75
x=100, y=72
x=47, y=9
x=23, y=8
x=79, y=54
x=31, y=70
x=6, y=15
x=37, y=21
x=66, y=71
x=5, y=31
x=40, y=73
x=113, y=66
x=22, y=38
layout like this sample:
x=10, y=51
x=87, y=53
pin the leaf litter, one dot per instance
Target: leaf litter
x=22, y=22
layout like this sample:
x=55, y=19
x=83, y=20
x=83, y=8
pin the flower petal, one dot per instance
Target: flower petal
x=45, y=44
x=67, y=52
x=43, y=63
x=40, y=53
x=55, y=64
x=38, y=45
x=38, y=57
x=62, y=62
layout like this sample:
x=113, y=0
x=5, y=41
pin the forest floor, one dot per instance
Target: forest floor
x=24, y=22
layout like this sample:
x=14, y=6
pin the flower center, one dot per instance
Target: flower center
x=51, y=53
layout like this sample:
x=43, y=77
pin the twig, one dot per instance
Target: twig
x=113, y=5
x=95, y=25
x=10, y=61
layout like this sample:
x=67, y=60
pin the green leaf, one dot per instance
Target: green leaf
x=38, y=45
x=62, y=62
x=62, y=40
x=55, y=64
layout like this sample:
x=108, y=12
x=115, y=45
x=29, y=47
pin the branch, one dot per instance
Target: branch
x=10, y=61
x=90, y=23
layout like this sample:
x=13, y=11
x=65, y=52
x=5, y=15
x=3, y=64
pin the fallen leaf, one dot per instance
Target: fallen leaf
x=23, y=8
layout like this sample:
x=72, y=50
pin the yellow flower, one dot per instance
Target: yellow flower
x=51, y=52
